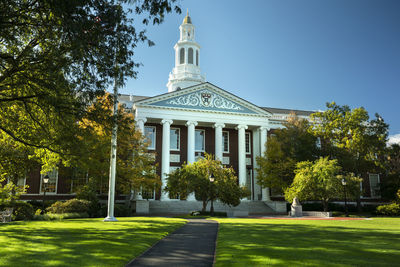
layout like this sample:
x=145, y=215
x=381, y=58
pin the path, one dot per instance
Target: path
x=191, y=245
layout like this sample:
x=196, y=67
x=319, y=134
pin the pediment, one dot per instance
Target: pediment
x=204, y=97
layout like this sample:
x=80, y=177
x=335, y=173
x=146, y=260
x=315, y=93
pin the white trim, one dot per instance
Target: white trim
x=179, y=139
x=204, y=140
x=155, y=137
x=223, y=143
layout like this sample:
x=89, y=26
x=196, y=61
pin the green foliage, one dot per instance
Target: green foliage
x=392, y=209
x=70, y=206
x=56, y=56
x=319, y=180
x=349, y=136
x=390, y=185
x=22, y=210
x=195, y=178
x=284, y=149
x=9, y=192
x=58, y=217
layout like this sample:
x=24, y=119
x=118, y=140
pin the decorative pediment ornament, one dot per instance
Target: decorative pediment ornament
x=205, y=98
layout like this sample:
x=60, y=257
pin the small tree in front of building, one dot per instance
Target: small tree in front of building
x=320, y=180
x=195, y=178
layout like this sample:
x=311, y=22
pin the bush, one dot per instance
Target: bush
x=23, y=211
x=64, y=216
x=389, y=210
x=88, y=192
x=70, y=206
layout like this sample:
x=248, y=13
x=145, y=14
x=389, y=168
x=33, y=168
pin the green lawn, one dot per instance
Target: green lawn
x=261, y=242
x=80, y=242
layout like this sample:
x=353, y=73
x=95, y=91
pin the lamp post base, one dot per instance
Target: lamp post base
x=110, y=219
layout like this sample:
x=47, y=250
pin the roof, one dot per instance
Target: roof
x=288, y=111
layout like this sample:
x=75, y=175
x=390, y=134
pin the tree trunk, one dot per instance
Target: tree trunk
x=359, y=207
x=325, y=205
x=204, y=206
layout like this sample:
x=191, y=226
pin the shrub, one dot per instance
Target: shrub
x=23, y=211
x=392, y=209
x=120, y=210
x=53, y=217
x=87, y=192
x=71, y=206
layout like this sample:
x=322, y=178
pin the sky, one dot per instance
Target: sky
x=287, y=53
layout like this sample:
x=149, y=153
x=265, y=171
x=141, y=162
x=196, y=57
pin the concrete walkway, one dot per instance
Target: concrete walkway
x=191, y=245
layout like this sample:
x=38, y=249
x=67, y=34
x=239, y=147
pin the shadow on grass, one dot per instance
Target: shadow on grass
x=80, y=242
x=256, y=244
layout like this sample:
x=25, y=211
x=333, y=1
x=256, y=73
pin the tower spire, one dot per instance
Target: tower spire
x=187, y=58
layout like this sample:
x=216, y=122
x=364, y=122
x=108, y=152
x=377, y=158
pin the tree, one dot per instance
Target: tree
x=348, y=135
x=135, y=166
x=57, y=56
x=284, y=150
x=391, y=184
x=319, y=180
x=195, y=178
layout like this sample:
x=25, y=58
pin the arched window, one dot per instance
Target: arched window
x=190, y=60
x=197, y=57
x=182, y=56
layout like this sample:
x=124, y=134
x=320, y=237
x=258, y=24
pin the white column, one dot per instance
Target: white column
x=165, y=156
x=242, y=154
x=140, y=124
x=191, y=148
x=263, y=140
x=218, y=140
x=190, y=141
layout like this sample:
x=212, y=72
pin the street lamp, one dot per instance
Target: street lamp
x=45, y=182
x=344, y=183
x=212, y=179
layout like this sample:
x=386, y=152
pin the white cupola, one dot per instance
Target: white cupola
x=187, y=59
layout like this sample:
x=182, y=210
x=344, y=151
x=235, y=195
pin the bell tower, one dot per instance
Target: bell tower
x=187, y=59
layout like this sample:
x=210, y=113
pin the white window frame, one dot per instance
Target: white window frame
x=223, y=143
x=249, y=135
x=179, y=139
x=41, y=181
x=204, y=140
x=153, y=147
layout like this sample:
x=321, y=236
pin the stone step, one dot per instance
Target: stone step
x=185, y=207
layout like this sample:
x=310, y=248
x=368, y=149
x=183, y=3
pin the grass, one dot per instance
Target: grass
x=80, y=242
x=261, y=242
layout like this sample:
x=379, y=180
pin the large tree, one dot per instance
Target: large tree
x=391, y=184
x=320, y=180
x=136, y=169
x=56, y=56
x=284, y=149
x=195, y=178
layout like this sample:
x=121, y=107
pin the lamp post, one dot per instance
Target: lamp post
x=45, y=182
x=344, y=183
x=212, y=179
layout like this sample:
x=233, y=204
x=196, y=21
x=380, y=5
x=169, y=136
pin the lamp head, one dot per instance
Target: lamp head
x=46, y=179
x=344, y=182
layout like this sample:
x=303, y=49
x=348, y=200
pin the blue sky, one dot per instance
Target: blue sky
x=287, y=53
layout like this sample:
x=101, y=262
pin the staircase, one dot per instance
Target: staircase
x=185, y=207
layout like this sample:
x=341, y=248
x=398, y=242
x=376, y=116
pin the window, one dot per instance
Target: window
x=190, y=59
x=182, y=56
x=225, y=142
x=199, y=140
x=51, y=186
x=374, y=185
x=79, y=178
x=197, y=57
x=248, y=143
x=174, y=139
x=150, y=134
